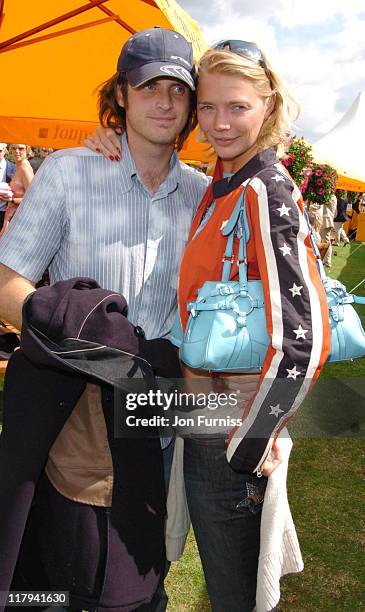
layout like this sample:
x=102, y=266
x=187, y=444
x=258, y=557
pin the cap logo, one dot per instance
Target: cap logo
x=178, y=72
x=177, y=57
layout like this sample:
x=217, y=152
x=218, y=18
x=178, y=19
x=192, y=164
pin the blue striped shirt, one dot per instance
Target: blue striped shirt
x=85, y=216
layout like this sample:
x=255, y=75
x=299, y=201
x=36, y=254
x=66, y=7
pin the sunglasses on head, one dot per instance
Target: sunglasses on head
x=247, y=49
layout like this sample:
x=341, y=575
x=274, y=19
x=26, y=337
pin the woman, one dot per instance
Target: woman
x=329, y=213
x=243, y=112
x=20, y=181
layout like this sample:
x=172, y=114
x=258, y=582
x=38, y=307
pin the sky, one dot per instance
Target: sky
x=316, y=46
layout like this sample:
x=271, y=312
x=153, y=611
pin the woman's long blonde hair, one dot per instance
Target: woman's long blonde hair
x=276, y=129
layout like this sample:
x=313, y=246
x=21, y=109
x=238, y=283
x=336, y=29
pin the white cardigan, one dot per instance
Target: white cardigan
x=279, y=547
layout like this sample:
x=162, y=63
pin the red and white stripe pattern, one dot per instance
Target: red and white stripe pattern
x=296, y=315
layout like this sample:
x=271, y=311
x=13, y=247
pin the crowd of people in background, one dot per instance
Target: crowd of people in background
x=18, y=164
x=328, y=221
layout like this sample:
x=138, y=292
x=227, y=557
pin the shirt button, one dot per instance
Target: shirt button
x=139, y=331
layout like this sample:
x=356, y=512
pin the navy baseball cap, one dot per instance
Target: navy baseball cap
x=157, y=53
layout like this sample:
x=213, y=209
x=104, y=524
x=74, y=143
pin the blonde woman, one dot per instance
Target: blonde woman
x=244, y=113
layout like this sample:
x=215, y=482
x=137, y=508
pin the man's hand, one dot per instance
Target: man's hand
x=272, y=461
x=13, y=291
x=105, y=141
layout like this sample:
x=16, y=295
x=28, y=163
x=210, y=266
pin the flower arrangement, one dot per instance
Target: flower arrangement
x=317, y=182
x=321, y=183
x=298, y=159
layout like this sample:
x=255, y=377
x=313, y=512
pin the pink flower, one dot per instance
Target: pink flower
x=288, y=159
x=319, y=172
x=306, y=172
x=304, y=185
x=319, y=182
x=321, y=191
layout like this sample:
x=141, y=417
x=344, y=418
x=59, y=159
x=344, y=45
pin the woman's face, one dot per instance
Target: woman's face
x=19, y=152
x=231, y=114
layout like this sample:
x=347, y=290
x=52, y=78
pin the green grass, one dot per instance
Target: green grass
x=325, y=485
x=326, y=497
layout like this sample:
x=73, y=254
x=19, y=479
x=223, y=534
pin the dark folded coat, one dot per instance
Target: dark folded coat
x=73, y=333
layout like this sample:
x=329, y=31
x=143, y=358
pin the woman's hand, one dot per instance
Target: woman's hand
x=105, y=141
x=6, y=197
x=272, y=461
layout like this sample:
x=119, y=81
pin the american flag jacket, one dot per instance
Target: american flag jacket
x=279, y=252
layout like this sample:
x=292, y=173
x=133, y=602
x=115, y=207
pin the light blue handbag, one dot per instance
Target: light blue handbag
x=347, y=334
x=226, y=330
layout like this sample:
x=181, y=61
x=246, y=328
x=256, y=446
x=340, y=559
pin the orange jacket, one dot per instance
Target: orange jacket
x=279, y=252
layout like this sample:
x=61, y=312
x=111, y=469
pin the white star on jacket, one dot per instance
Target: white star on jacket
x=275, y=410
x=283, y=210
x=300, y=332
x=285, y=249
x=293, y=373
x=295, y=290
x=277, y=178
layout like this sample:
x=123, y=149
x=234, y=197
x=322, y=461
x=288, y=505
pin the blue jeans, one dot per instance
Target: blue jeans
x=225, y=510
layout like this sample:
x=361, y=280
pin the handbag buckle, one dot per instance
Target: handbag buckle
x=191, y=307
x=225, y=259
x=225, y=290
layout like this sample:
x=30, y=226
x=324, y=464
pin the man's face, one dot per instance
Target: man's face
x=157, y=111
x=2, y=153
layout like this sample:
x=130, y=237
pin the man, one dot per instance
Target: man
x=117, y=223
x=125, y=225
x=340, y=218
x=7, y=170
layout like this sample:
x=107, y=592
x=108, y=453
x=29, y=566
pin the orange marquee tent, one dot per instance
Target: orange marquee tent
x=53, y=56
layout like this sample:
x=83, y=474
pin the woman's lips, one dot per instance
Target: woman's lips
x=224, y=142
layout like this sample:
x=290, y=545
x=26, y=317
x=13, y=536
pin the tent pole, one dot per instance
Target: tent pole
x=117, y=19
x=151, y=3
x=2, y=2
x=48, y=24
x=39, y=39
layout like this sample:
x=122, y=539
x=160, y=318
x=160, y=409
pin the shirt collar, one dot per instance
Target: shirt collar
x=260, y=161
x=130, y=172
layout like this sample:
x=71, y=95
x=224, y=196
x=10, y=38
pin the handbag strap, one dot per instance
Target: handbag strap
x=238, y=226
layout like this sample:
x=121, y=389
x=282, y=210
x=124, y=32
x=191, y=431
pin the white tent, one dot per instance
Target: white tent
x=343, y=147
